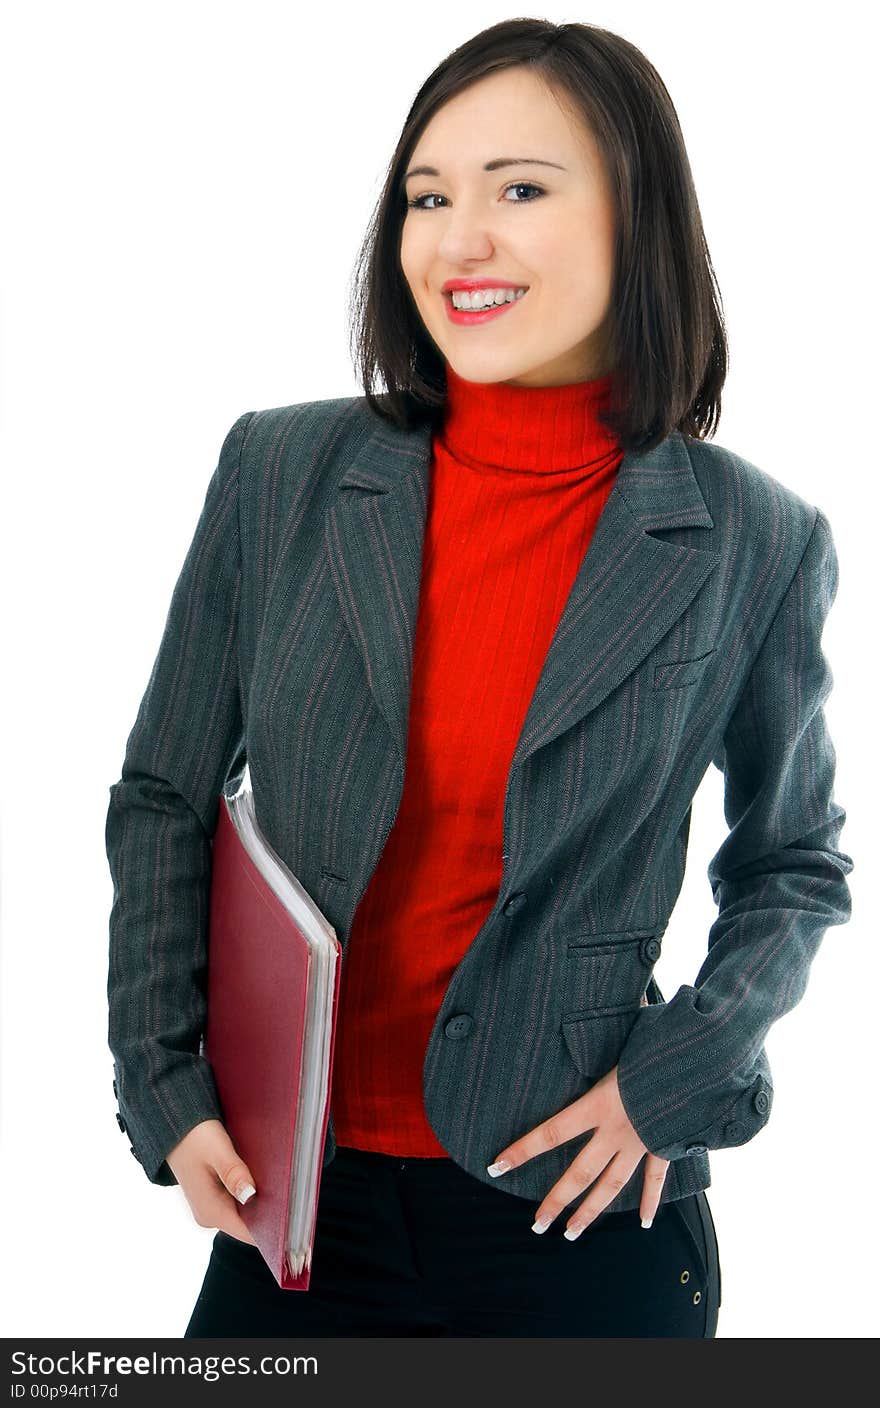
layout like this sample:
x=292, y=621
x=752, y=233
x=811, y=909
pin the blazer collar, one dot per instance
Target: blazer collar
x=629, y=589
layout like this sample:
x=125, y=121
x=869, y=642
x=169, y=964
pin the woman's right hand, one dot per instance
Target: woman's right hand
x=211, y=1175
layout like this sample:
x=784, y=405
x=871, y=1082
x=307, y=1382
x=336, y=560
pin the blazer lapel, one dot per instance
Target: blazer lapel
x=374, y=531
x=629, y=590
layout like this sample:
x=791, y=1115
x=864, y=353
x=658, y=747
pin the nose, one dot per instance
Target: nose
x=464, y=237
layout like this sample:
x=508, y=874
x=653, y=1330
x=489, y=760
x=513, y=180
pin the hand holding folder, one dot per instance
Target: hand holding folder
x=210, y=1169
x=274, y=965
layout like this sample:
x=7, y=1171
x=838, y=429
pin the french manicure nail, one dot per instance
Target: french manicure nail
x=246, y=1191
x=501, y=1166
x=542, y=1223
x=646, y=1221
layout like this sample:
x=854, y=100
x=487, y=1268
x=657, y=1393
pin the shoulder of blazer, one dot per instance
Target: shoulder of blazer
x=308, y=436
x=764, y=524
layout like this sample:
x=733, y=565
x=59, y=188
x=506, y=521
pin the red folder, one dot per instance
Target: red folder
x=263, y=1021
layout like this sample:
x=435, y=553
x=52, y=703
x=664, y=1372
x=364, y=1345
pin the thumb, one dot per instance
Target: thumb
x=233, y=1172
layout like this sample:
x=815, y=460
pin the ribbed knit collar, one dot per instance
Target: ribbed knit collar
x=537, y=429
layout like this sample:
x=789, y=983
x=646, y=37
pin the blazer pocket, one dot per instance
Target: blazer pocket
x=607, y=973
x=595, y=1042
x=672, y=674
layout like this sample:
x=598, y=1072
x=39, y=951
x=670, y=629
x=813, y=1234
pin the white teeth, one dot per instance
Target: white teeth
x=485, y=297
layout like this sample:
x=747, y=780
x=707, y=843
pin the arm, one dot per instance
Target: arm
x=161, y=817
x=693, y=1074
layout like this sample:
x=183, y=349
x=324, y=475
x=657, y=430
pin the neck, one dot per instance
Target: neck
x=537, y=429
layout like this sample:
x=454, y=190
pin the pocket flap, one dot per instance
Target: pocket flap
x=672, y=674
x=607, y=972
x=595, y=1042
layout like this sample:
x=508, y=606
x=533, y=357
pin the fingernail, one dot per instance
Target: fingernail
x=646, y=1221
x=571, y=1232
x=501, y=1166
x=246, y=1191
x=542, y=1223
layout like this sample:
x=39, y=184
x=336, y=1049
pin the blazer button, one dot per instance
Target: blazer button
x=515, y=902
x=651, y=950
x=761, y=1101
x=115, y=1091
x=121, y=1122
x=459, y=1026
x=734, y=1130
x=697, y=1149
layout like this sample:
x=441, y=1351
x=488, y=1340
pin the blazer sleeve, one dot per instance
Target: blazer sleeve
x=693, y=1074
x=161, y=818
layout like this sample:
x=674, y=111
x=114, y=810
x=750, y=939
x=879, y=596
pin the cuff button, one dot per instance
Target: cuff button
x=761, y=1101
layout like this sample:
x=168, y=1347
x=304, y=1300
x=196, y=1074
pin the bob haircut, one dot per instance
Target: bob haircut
x=668, y=340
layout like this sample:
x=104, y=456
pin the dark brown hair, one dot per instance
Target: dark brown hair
x=668, y=340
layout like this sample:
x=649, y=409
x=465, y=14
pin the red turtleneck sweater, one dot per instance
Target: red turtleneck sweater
x=519, y=477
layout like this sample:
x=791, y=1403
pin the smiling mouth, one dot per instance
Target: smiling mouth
x=478, y=317
x=517, y=299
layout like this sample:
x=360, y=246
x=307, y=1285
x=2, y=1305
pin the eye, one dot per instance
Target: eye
x=416, y=204
x=523, y=186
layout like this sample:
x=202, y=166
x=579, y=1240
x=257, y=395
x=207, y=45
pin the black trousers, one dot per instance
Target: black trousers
x=417, y=1246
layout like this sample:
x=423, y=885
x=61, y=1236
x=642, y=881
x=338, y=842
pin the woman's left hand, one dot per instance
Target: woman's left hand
x=607, y=1161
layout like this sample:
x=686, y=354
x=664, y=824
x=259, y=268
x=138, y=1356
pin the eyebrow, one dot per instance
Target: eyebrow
x=498, y=162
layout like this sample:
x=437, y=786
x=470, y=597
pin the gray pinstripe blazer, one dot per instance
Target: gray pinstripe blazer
x=691, y=636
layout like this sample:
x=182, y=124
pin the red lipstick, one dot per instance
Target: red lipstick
x=466, y=317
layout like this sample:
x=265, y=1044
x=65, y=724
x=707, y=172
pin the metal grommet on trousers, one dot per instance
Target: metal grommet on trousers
x=417, y=1246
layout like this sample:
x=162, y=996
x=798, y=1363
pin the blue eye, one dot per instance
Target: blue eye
x=514, y=185
x=523, y=185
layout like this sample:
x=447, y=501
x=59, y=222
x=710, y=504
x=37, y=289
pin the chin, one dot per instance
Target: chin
x=488, y=368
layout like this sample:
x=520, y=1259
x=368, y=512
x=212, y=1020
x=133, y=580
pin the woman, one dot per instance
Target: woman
x=479, y=639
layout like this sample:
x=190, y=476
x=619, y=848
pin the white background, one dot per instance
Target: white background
x=185, y=187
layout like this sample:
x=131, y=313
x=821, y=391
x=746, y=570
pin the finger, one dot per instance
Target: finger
x=573, y=1119
x=232, y=1223
x=589, y=1165
x=652, y=1187
x=233, y=1172
x=618, y=1173
x=238, y=1181
x=213, y=1206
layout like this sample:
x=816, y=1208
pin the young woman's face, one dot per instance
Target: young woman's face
x=547, y=228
